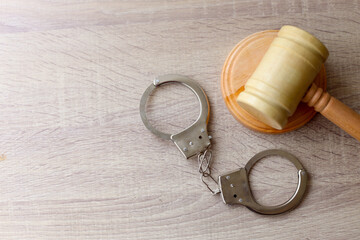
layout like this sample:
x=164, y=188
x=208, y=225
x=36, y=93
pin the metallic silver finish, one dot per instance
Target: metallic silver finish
x=234, y=187
x=204, y=161
x=195, y=133
x=240, y=193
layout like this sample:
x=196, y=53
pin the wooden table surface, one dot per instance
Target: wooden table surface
x=77, y=162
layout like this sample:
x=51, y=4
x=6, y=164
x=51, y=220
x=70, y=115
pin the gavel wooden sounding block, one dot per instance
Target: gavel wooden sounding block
x=268, y=74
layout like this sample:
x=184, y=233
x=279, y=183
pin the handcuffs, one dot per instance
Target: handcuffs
x=234, y=186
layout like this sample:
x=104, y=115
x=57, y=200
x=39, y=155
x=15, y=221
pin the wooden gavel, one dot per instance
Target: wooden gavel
x=284, y=77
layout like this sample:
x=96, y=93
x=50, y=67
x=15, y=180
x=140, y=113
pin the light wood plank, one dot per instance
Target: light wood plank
x=77, y=162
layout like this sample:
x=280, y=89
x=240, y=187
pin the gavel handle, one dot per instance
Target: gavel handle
x=334, y=110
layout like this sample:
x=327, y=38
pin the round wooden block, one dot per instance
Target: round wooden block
x=239, y=66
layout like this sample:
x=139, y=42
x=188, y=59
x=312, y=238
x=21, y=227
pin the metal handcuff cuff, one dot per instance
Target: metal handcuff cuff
x=234, y=186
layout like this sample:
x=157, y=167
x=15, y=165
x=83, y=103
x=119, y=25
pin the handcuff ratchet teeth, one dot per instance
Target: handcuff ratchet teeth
x=234, y=186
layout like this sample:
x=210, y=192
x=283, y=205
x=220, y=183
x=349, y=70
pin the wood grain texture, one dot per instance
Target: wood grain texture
x=239, y=66
x=287, y=69
x=334, y=110
x=77, y=162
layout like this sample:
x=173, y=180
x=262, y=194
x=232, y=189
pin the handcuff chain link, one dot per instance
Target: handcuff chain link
x=204, y=161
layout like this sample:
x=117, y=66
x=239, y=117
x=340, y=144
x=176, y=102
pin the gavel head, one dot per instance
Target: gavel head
x=283, y=76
